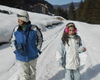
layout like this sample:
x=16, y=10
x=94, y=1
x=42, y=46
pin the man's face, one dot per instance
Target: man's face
x=20, y=22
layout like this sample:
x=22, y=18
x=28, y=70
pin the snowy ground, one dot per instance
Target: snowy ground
x=8, y=22
x=46, y=66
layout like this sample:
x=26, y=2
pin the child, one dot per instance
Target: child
x=26, y=42
x=68, y=52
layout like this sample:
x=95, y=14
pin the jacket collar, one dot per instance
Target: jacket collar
x=27, y=27
x=71, y=36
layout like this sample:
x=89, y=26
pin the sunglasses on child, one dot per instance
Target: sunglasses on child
x=20, y=15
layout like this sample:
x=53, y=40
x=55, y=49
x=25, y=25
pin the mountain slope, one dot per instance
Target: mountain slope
x=76, y=4
x=10, y=21
x=46, y=67
x=25, y=4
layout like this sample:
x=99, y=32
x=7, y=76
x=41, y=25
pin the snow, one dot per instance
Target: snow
x=46, y=67
x=8, y=22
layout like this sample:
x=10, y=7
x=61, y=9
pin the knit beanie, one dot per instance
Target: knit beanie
x=23, y=16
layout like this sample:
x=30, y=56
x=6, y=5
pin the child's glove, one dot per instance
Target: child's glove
x=82, y=49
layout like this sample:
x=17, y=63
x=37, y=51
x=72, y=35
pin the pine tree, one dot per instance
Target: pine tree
x=61, y=12
x=79, y=10
x=66, y=14
x=91, y=11
x=71, y=12
x=95, y=17
x=58, y=11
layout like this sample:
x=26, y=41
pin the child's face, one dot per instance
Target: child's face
x=20, y=22
x=71, y=30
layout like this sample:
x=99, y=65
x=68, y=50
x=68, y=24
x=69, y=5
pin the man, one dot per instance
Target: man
x=26, y=42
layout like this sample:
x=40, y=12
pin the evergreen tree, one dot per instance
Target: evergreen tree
x=87, y=11
x=61, y=12
x=95, y=17
x=79, y=10
x=66, y=14
x=91, y=11
x=58, y=11
x=71, y=12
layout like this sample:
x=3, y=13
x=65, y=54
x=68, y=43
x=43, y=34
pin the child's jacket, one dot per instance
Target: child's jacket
x=26, y=43
x=68, y=55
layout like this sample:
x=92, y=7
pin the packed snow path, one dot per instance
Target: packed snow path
x=46, y=66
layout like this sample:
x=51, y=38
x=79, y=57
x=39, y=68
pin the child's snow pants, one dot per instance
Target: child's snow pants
x=72, y=74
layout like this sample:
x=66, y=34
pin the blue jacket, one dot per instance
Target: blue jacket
x=27, y=43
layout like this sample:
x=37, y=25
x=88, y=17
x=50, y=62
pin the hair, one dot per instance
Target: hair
x=65, y=37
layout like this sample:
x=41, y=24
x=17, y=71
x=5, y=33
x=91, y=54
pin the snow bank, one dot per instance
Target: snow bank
x=90, y=34
x=8, y=22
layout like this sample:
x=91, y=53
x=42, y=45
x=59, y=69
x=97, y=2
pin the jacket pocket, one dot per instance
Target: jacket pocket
x=21, y=48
